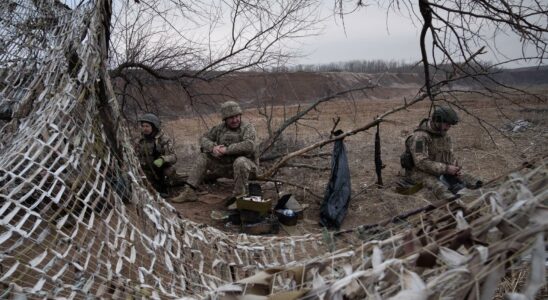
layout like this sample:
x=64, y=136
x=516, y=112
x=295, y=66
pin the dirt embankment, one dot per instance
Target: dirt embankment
x=171, y=101
x=252, y=89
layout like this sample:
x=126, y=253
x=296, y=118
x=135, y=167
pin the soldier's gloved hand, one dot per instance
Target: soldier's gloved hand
x=158, y=162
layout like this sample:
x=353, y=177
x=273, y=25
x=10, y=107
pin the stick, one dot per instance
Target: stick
x=270, y=172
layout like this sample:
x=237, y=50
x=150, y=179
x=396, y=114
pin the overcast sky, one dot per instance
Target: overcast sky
x=371, y=34
x=366, y=35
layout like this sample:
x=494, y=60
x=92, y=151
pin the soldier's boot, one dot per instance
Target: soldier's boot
x=472, y=182
x=187, y=195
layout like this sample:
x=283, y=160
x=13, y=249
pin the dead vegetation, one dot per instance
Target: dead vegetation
x=485, y=154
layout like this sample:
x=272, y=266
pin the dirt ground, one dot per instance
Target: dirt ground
x=493, y=138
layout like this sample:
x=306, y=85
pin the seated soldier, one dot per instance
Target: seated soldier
x=156, y=154
x=429, y=157
x=227, y=150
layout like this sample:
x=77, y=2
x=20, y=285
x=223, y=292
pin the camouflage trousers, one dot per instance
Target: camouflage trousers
x=164, y=178
x=440, y=190
x=241, y=170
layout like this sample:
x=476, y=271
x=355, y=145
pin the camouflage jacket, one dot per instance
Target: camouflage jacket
x=431, y=151
x=239, y=142
x=151, y=148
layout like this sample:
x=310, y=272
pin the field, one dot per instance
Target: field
x=511, y=133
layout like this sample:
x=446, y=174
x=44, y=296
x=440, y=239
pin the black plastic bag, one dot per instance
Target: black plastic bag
x=337, y=194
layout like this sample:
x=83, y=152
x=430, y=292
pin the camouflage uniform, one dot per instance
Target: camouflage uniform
x=432, y=152
x=239, y=161
x=151, y=148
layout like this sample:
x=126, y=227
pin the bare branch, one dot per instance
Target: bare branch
x=274, y=157
x=302, y=113
x=306, y=166
x=272, y=170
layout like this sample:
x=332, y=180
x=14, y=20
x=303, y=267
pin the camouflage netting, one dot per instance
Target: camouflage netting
x=77, y=220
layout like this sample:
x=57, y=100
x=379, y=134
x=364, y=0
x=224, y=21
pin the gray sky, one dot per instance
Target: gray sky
x=369, y=35
x=372, y=34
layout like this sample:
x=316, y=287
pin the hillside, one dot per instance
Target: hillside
x=250, y=89
x=524, y=76
x=253, y=89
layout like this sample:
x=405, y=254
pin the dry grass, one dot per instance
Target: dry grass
x=514, y=282
x=487, y=154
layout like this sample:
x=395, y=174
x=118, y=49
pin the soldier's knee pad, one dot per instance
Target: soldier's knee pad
x=241, y=163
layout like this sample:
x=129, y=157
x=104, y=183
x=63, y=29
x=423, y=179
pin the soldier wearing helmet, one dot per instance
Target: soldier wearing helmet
x=429, y=157
x=227, y=150
x=156, y=155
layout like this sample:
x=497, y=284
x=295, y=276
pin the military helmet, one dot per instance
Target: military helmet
x=151, y=118
x=229, y=109
x=445, y=114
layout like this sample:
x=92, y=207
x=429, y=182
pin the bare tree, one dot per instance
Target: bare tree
x=199, y=41
x=455, y=36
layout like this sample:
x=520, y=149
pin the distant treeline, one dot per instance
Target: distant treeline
x=369, y=66
x=355, y=66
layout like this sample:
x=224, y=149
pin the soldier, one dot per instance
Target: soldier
x=155, y=151
x=429, y=157
x=227, y=150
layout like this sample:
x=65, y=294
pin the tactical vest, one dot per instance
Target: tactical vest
x=148, y=151
x=406, y=159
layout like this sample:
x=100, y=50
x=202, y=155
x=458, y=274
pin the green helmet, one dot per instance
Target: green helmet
x=229, y=109
x=152, y=119
x=445, y=114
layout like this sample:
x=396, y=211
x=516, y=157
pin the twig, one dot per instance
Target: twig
x=270, y=172
x=306, y=166
x=302, y=113
x=397, y=218
x=276, y=156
